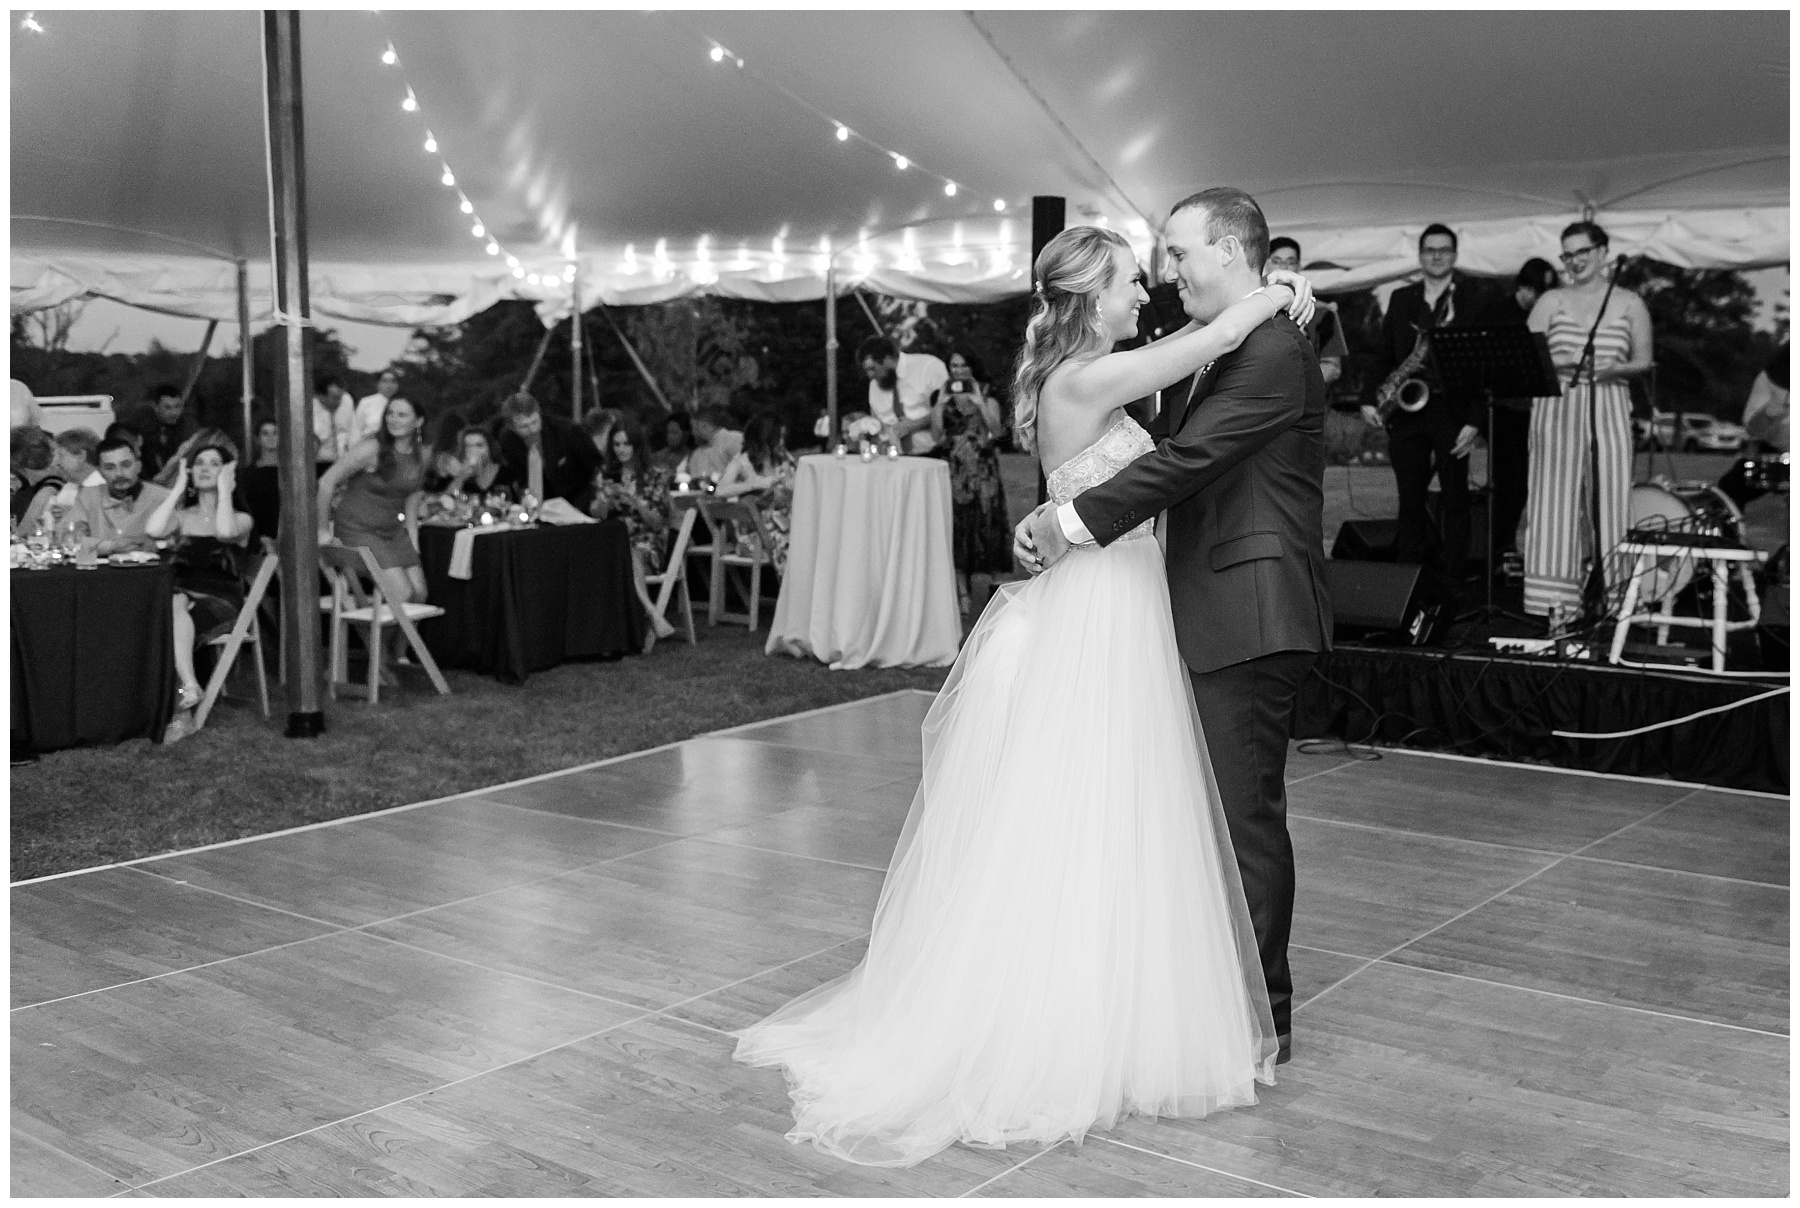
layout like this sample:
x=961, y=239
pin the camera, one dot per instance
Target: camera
x=958, y=387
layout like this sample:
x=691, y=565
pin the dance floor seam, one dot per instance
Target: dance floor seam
x=549, y=1009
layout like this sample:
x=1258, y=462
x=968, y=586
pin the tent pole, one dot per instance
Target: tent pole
x=575, y=342
x=246, y=378
x=831, y=346
x=193, y=377
x=293, y=385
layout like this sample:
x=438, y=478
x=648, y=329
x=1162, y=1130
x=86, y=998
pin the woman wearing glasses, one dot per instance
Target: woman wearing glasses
x=1558, y=533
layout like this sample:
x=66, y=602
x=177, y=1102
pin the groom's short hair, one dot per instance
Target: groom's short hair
x=1232, y=212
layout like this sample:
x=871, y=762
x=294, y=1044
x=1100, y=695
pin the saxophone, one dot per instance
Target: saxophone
x=1403, y=389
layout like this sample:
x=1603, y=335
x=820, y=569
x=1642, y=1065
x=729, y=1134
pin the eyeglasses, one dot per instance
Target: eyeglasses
x=1578, y=253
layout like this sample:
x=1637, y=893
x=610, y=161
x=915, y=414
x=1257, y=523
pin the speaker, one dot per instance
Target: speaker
x=1365, y=541
x=1047, y=217
x=1384, y=601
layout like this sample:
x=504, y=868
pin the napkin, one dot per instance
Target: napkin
x=561, y=511
x=462, y=551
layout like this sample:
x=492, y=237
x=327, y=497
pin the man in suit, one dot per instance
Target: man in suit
x=553, y=458
x=1242, y=479
x=1438, y=437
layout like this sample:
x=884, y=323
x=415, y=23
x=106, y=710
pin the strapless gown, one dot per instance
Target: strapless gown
x=1062, y=938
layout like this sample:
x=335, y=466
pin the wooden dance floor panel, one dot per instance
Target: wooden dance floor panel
x=1511, y=981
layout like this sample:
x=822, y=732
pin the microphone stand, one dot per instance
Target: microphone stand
x=1593, y=590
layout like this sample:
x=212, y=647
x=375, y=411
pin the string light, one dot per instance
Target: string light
x=493, y=249
x=467, y=206
x=478, y=230
x=388, y=56
x=430, y=144
x=843, y=133
x=900, y=162
x=448, y=178
x=950, y=189
x=411, y=103
x=999, y=206
x=718, y=53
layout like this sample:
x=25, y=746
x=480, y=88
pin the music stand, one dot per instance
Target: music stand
x=1493, y=363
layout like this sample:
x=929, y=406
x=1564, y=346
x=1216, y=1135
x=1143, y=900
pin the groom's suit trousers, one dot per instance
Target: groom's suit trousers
x=1246, y=712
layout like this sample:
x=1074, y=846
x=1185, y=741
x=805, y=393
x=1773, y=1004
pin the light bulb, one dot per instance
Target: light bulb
x=389, y=57
x=718, y=54
x=409, y=104
x=448, y=179
x=493, y=249
x=569, y=272
x=478, y=230
x=532, y=279
x=517, y=271
x=468, y=207
x=900, y=162
x=512, y=261
x=430, y=143
x=999, y=206
x=950, y=189
x=843, y=134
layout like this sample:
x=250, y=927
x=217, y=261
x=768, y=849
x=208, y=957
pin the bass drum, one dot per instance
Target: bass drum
x=1697, y=508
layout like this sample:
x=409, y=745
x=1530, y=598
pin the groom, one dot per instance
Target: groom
x=1242, y=478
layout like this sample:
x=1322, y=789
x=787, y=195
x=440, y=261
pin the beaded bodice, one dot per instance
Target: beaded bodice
x=1122, y=444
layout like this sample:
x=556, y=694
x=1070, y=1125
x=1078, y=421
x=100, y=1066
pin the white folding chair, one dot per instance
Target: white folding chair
x=247, y=631
x=373, y=611
x=672, y=579
x=727, y=516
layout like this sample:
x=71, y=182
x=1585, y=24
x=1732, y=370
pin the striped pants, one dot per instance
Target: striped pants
x=1558, y=531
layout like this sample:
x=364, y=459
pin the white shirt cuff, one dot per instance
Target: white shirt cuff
x=1076, y=532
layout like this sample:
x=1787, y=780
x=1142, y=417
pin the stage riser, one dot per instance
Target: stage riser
x=1478, y=705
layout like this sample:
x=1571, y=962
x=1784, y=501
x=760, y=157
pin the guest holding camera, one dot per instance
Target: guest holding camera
x=967, y=426
x=209, y=531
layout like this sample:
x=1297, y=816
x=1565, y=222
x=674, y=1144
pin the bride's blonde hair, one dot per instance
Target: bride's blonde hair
x=1065, y=319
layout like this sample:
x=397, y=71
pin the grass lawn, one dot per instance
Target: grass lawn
x=89, y=806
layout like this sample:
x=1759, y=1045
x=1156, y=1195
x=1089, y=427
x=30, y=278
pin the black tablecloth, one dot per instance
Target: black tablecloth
x=534, y=598
x=93, y=657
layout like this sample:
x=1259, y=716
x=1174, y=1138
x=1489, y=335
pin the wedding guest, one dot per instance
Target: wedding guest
x=636, y=492
x=476, y=471
x=716, y=443
x=1325, y=329
x=333, y=415
x=208, y=533
x=967, y=426
x=1564, y=427
x=365, y=419
x=550, y=457
x=382, y=477
x=163, y=424
x=901, y=387
x=35, y=481
x=766, y=468
x=598, y=424
x=75, y=461
x=118, y=513
x=443, y=451
x=261, y=482
x=678, y=441
x=118, y=431
x=1766, y=409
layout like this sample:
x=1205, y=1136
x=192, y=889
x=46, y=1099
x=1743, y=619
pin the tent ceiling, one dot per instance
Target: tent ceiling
x=1354, y=127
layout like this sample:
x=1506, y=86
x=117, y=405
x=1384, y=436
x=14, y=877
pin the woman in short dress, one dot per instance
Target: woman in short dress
x=381, y=478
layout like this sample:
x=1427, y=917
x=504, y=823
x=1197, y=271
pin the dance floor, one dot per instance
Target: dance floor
x=1512, y=981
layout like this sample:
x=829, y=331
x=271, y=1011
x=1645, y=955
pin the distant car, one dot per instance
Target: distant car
x=1703, y=433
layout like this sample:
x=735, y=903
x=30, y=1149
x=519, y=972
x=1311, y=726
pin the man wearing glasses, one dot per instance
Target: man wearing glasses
x=1437, y=438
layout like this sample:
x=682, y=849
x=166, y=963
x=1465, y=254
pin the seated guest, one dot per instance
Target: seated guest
x=261, y=483
x=598, y=424
x=716, y=443
x=35, y=481
x=765, y=468
x=77, y=452
x=550, y=457
x=208, y=533
x=1325, y=330
x=118, y=513
x=443, y=451
x=630, y=489
x=118, y=431
x=476, y=471
x=382, y=478
x=678, y=441
x=162, y=425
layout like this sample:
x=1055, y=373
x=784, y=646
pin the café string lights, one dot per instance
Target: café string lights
x=478, y=229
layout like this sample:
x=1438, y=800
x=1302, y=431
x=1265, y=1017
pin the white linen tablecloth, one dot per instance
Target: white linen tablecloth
x=870, y=579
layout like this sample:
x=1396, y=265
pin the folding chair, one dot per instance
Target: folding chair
x=673, y=578
x=247, y=631
x=371, y=609
x=727, y=516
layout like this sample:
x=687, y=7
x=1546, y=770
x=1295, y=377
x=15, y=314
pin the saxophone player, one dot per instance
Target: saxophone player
x=1437, y=436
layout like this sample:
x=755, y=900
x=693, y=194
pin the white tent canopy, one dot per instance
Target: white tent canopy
x=616, y=137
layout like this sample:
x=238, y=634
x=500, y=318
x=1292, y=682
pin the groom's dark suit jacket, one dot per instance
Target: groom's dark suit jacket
x=1242, y=478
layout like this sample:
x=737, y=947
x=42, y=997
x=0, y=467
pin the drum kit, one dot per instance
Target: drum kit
x=1703, y=513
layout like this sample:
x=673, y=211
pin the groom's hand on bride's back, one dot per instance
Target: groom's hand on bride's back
x=1038, y=541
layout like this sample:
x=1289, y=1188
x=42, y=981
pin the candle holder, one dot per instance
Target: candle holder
x=868, y=451
x=840, y=450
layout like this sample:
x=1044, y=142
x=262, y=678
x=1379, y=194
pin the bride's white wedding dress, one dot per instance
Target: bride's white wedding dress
x=1062, y=937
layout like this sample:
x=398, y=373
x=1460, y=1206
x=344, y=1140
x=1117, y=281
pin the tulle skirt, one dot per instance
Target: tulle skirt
x=1062, y=938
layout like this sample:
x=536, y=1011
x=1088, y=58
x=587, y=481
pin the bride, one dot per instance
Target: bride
x=1061, y=939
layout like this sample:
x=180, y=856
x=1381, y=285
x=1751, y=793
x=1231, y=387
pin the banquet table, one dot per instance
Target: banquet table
x=534, y=598
x=870, y=580
x=93, y=655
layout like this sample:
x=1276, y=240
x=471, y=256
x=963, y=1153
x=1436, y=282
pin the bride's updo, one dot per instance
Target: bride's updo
x=1065, y=319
